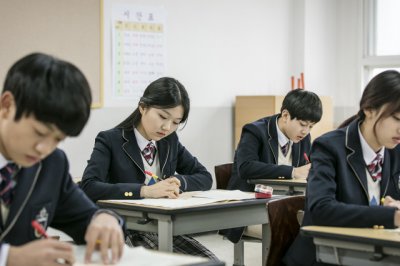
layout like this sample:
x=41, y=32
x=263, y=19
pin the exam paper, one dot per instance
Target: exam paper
x=139, y=256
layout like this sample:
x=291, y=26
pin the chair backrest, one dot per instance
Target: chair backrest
x=223, y=174
x=282, y=215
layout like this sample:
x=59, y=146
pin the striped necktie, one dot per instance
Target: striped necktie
x=285, y=148
x=149, y=152
x=7, y=183
x=375, y=168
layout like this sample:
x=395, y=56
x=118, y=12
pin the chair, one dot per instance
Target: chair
x=223, y=173
x=284, y=226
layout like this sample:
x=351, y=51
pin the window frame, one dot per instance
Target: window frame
x=370, y=60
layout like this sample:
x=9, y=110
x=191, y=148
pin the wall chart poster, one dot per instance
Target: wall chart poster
x=138, y=49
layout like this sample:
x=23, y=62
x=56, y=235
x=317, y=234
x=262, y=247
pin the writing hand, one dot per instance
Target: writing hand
x=167, y=188
x=302, y=171
x=104, y=232
x=41, y=252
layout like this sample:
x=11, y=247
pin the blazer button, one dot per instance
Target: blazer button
x=126, y=194
x=130, y=194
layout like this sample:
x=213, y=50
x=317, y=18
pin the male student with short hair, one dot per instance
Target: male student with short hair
x=273, y=147
x=44, y=100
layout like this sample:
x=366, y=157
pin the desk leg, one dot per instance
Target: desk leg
x=266, y=239
x=291, y=191
x=165, y=235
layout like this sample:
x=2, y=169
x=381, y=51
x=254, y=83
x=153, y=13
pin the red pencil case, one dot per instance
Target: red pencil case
x=260, y=195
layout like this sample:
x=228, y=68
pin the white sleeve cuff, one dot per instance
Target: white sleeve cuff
x=4, y=254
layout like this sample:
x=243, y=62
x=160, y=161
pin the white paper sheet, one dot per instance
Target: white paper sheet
x=194, y=198
x=140, y=256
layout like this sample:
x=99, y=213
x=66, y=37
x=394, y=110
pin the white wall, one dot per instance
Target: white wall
x=220, y=49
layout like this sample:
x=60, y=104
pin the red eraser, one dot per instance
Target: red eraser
x=260, y=195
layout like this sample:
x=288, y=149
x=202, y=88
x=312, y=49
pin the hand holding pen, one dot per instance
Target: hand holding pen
x=46, y=251
x=165, y=188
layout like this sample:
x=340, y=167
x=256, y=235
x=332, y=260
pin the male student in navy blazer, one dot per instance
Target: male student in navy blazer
x=273, y=147
x=45, y=99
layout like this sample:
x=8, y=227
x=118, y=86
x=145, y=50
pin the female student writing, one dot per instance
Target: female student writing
x=355, y=174
x=142, y=157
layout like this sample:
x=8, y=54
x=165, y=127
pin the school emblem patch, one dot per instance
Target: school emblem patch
x=42, y=218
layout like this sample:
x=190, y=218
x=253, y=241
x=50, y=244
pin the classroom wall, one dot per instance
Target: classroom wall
x=220, y=49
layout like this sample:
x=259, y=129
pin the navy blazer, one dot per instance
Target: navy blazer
x=45, y=192
x=256, y=156
x=337, y=190
x=116, y=166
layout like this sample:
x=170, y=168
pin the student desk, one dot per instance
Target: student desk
x=355, y=246
x=291, y=186
x=140, y=256
x=169, y=222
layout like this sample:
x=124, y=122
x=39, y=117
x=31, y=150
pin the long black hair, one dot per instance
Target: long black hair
x=383, y=89
x=162, y=93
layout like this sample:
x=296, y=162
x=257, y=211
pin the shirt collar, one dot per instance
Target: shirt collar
x=142, y=141
x=3, y=161
x=368, y=153
x=282, y=139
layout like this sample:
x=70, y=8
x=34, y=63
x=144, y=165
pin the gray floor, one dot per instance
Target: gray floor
x=223, y=249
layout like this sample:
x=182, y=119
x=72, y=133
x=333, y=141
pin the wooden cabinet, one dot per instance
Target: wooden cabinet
x=251, y=108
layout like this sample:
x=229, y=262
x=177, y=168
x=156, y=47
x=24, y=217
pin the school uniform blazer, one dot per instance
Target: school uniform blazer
x=337, y=190
x=45, y=192
x=116, y=166
x=256, y=156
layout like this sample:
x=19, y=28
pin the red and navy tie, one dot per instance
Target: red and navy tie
x=285, y=148
x=375, y=168
x=7, y=183
x=149, y=153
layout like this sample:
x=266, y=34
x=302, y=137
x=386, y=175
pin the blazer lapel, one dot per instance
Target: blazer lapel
x=385, y=174
x=296, y=154
x=131, y=149
x=273, y=136
x=163, y=154
x=355, y=157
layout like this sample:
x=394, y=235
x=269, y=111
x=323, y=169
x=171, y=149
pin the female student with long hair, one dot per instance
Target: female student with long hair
x=146, y=142
x=355, y=174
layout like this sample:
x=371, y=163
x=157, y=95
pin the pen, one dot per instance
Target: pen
x=150, y=174
x=306, y=158
x=38, y=227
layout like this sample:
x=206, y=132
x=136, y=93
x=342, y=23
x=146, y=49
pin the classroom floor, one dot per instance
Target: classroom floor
x=222, y=248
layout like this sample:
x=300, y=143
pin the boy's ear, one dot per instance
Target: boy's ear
x=285, y=115
x=7, y=103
